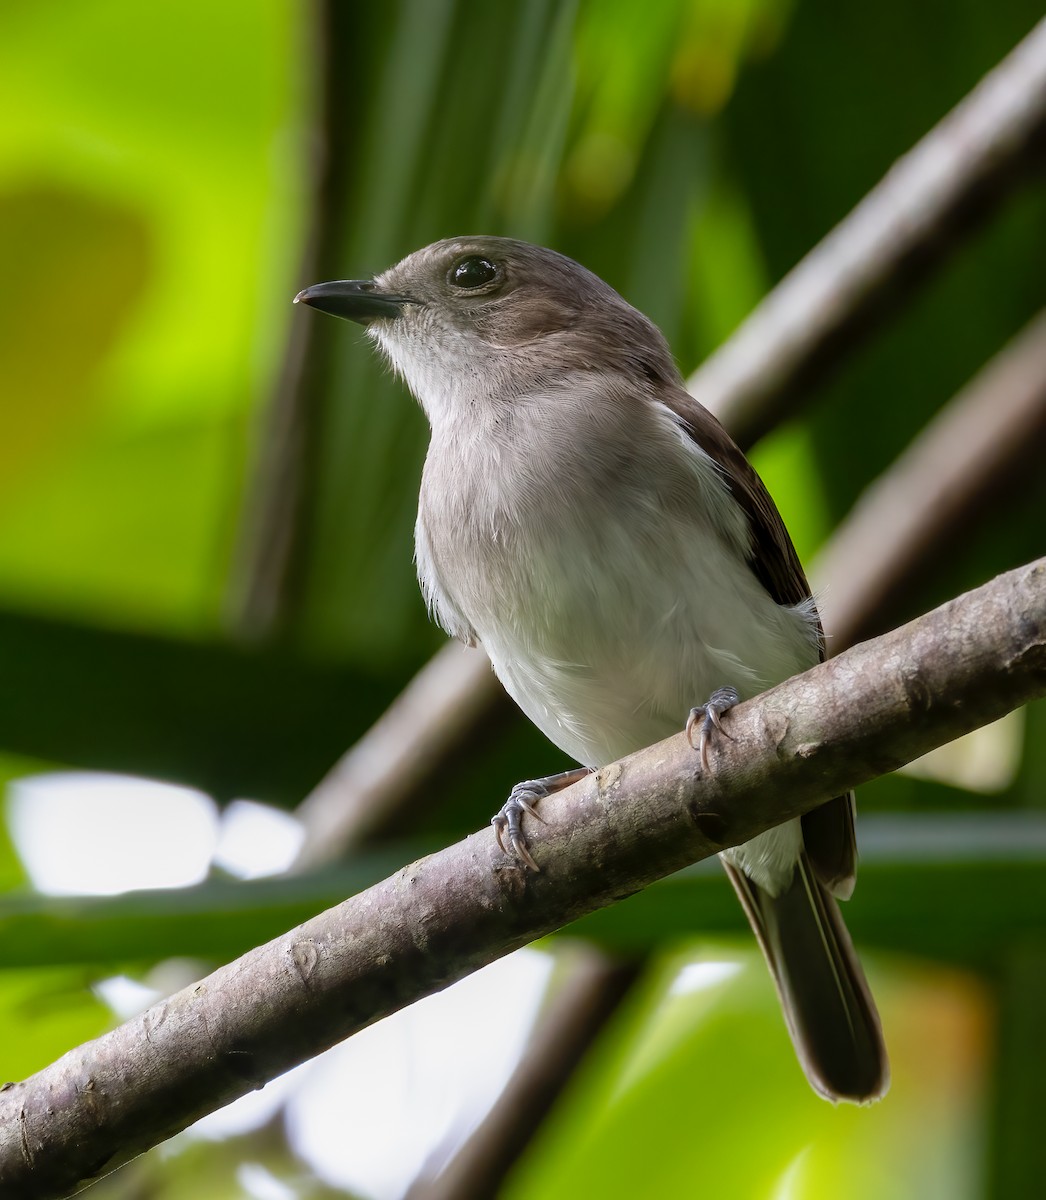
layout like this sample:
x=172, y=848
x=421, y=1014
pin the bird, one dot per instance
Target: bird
x=592, y=526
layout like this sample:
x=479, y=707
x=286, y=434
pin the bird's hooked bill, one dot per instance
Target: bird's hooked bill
x=354, y=299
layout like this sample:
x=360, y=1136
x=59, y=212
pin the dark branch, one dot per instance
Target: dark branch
x=570, y=1023
x=979, y=448
x=892, y=241
x=265, y=588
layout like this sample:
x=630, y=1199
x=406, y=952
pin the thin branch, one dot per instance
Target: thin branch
x=577, y=1014
x=895, y=238
x=274, y=528
x=1017, y=1151
x=990, y=436
x=373, y=782
x=841, y=724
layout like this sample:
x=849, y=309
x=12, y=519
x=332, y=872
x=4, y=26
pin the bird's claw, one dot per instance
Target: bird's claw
x=508, y=821
x=710, y=718
x=524, y=796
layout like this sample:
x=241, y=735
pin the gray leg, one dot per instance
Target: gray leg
x=709, y=715
x=523, y=797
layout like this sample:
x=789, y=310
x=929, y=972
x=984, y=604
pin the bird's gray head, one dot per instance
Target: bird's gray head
x=474, y=317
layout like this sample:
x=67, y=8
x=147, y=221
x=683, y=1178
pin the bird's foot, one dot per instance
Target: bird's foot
x=709, y=717
x=508, y=821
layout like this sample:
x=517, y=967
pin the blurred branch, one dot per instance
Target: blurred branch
x=986, y=439
x=365, y=791
x=565, y=1030
x=895, y=238
x=846, y=721
x=276, y=520
x=1017, y=1151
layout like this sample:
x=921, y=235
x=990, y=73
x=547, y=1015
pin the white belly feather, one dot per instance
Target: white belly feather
x=609, y=607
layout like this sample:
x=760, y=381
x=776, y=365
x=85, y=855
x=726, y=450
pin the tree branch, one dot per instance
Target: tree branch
x=266, y=579
x=991, y=435
x=893, y=239
x=370, y=785
x=846, y=721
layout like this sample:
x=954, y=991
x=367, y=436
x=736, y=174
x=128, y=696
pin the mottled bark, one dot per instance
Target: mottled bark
x=846, y=721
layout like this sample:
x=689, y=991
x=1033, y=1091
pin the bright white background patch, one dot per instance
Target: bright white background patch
x=257, y=840
x=80, y=832
x=696, y=976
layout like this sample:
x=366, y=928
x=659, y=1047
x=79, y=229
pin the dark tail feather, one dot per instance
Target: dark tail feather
x=829, y=1010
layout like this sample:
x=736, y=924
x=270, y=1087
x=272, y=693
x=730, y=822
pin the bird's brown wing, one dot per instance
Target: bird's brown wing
x=828, y=831
x=771, y=556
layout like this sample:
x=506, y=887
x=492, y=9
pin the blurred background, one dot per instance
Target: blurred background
x=207, y=594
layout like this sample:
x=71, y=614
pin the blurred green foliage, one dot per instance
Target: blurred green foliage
x=684, y=1059
x=152, y=202
x=158, y=188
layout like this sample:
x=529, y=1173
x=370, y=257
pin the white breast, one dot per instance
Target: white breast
x=605, y=575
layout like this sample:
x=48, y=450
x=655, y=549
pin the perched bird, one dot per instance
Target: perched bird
x=594, y=528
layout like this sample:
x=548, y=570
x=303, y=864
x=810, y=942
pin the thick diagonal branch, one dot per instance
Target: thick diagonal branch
x=846, y=721
x=899, y=233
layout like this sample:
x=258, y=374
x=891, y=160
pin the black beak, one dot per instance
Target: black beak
x=355, y=299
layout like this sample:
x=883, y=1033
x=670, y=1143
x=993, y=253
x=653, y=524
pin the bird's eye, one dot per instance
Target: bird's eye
x=473, y=272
